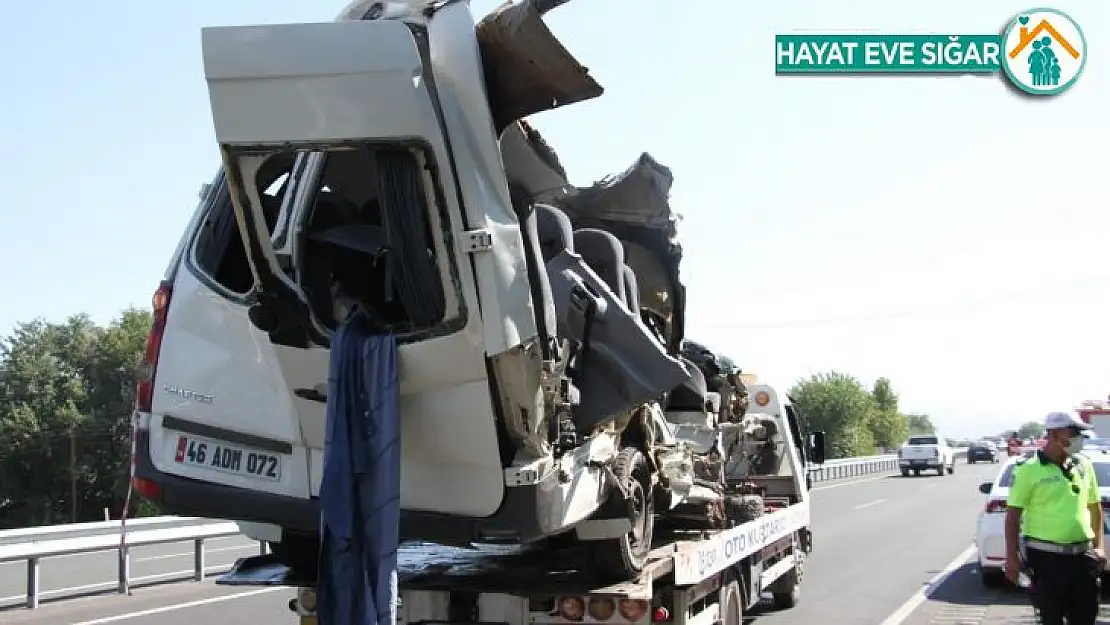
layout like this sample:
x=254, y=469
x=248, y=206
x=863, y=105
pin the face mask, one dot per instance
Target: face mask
x=1074, y=445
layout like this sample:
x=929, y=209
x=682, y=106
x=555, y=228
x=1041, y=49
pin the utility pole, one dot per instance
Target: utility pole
x=73, y=473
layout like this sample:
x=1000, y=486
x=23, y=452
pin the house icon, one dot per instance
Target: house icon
x=1026, y=37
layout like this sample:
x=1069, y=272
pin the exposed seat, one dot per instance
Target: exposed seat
x=631, y=290
x=554, y=230
x=604, y=254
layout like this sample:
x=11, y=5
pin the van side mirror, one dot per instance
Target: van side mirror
x=817, y=447
x=986, y=487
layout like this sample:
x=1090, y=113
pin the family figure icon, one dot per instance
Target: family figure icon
x=1045, y=51
x=1043, y=64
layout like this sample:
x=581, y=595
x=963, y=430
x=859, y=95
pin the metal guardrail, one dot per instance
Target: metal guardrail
x=53, y=541
x=32, y=544
x=852, y=467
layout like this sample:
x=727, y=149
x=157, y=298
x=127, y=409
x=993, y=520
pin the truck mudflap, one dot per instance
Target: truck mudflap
x=717, y=553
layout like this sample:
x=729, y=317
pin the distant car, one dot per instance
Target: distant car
x=982, y=451
x=926, y=452
x=990, y=536
x=1096, y=444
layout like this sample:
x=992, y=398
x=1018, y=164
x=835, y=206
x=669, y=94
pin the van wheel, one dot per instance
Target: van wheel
x=992, y=578
x=625, y=557
x=732, y=607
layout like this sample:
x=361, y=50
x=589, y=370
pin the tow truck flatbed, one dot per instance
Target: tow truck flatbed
x=689, y=557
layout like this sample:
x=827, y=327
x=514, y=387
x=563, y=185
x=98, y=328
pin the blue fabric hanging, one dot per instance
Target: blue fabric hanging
x=360, y=492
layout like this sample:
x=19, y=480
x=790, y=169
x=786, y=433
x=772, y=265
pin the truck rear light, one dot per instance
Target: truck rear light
x=147, y=489
x=601, y=608
x=994, y=506
x=634, y=609
x=572, y=608
x=144, y=387
x=660, y=615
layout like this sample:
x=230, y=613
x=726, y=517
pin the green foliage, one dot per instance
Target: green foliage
x=857, y=422
x=920, y=424
x=1030, y=429
x=66, y=391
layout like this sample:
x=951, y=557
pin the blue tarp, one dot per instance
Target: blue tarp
x=361, y=487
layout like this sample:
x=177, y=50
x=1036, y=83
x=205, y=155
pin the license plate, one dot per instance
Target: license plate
x=227, y=458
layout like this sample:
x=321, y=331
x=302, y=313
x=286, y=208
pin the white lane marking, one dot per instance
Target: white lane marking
x=180, y=606
x=851, y=483
x=219, y=568
x=191, y=554
x=869, y=504
x=919, y=597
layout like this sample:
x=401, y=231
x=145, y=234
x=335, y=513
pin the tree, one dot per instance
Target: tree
x=919, y=424
x=66, y=391
x=838, y=404
x=888, y=426
x=1030, y=429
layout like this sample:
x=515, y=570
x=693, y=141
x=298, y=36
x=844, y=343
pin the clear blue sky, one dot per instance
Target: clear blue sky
x=938, y=231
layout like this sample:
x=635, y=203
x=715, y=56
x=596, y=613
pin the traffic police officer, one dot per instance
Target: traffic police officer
x=1054, y=520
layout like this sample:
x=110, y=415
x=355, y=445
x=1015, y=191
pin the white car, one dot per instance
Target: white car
x=990, y=538
x=926, y=453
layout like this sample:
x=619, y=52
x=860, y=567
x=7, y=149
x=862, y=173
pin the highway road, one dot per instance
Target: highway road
x=888, y=551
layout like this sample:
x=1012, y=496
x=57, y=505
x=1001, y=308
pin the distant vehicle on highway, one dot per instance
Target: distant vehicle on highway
x=926, y=453
x=982, y=451
x=1096, y=444
x=990, y=536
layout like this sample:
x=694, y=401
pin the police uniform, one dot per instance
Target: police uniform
x=1057, y=536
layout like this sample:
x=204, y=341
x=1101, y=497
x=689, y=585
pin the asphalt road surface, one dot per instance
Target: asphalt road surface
x=888, y=551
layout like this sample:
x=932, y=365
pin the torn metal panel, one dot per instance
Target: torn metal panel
x=531, y=164
x=640, y=196
x=527, y=70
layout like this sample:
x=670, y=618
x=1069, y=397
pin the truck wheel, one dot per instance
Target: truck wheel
x=625, y=557
x=786, y=591
x=732, y=606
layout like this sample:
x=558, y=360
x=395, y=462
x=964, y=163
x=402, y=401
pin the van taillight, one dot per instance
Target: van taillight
x=144, y=388
x=996, y=505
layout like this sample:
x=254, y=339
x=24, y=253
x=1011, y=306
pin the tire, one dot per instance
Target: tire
x=917, y=472
x=952, y=468
x=740, y=509
x=786, y=591
x=970, y=461
x=301, y=553
x=940, y=470
x=992, y=578
x=624, y=558
x=732, y=604
x=905, y=472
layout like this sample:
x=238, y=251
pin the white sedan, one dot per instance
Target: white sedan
x=990, y=538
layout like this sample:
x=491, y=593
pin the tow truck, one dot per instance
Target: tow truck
x=691, y=578
x=1096, y=412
